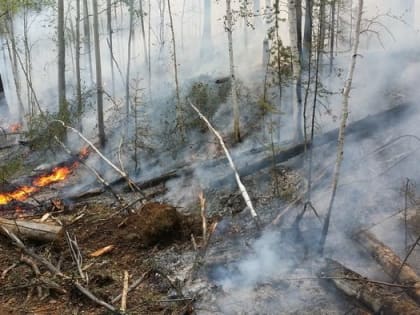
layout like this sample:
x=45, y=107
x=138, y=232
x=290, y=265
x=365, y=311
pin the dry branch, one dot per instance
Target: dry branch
x=391, y=263
x=241, y=186
x=379, y=299
x=103, y=157
x=32, y=230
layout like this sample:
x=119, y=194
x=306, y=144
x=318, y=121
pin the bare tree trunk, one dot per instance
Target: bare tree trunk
x=62, y=102
x=143, y=32
x=86, y=28
x=179, y=109
x=110, y=41
x=296, y=48
x=28, y=63
x=78, y=75
x=333, y=6
x=234, y=92
x=206, y=40
x=307, y=35
x=127, y=78
x=12, y=49
x=99, y=88
x=344, y=117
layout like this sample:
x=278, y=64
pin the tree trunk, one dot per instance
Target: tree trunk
x=234, y=93
x=333, y=6
x=179, y=109
x=110, y=41
x=99, y=88
x=307, y=35
x=78, y=75
x=86, y=28
x=12, y=49
x=62, y=102
x=32, y=230
x=127, y=77
x=294, y=14
x=344, y=117
x=391, y=263
x=378, y=298
x=206, y=40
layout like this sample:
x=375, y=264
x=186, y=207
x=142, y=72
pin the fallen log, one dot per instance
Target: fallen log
x=379, y=298
x=32, y=230
x=390, y=262
x=362, y=128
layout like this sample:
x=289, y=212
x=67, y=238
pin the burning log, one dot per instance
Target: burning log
x=379, y=298
x=391, y=263
x=32, y=230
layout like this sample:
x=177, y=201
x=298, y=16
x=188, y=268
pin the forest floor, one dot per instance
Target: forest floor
x=163, y=246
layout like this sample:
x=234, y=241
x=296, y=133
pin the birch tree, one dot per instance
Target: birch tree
x=78, y=74
x=343, y=123
x=294, y=18
x=234, y=94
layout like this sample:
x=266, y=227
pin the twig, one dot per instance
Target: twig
x=35, y=268
x=406, y=258
x=203, y=214
x=241, y=186
x=103, y=157
x=6, y=271
x=124, y=292
x=76, y=254
x=134, y=285
x=30, y=253
x=90, y=295
x=95, y=172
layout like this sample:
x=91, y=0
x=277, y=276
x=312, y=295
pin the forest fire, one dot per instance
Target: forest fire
x=57, y=174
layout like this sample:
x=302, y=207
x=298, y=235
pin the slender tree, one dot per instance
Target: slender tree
x=78, y=74
x=179, y=110
x=99, y=88
x=206, y=42
x=295, y=29
x=110, y=41
x=234, y=92
x=87, y=41
x=62, y=102
x=343, y=123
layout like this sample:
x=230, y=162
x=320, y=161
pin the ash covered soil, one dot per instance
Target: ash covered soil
x=241, y=269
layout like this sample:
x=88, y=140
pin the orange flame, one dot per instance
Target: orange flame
x=57, y=174
x=20, y=194
x=15, y=127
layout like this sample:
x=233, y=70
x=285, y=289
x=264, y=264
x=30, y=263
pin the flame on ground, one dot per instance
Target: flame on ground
x=58, y=174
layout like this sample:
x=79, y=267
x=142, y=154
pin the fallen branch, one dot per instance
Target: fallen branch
x=241, y=186
x=134, y=285
x=124, y=292
x=103, y=157
x=90, y=295
x=390, y=262
x=379, y=299
x=32, y=230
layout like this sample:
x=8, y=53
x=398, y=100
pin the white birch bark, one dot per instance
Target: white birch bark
x=297, y=69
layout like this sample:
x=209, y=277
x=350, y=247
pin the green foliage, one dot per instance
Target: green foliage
x=13, y=6
x=42, y=130
x=10, y=167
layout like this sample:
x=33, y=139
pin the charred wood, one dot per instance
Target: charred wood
x=391, y=263
x=380, y=299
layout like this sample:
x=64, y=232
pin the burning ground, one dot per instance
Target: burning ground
x=240, y=268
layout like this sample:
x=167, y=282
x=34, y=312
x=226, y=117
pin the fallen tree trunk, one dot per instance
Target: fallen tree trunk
x=32, y=230
x=391, y=263
x=358, y=129
x=379, y=298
